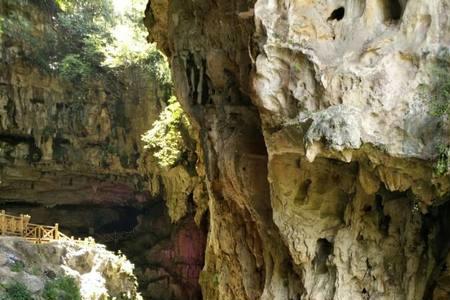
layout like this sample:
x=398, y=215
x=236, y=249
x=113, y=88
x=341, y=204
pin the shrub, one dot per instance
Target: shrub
x=74, y=69
x=63, y=287
x=17, y=266
x=16, y=291
x=165, y=138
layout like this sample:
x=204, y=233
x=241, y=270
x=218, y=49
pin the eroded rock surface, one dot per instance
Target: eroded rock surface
x=315, y=144
x=98, y=273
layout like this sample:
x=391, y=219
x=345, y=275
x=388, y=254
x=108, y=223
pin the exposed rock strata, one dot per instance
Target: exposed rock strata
x=315, y=144
x=72, y=154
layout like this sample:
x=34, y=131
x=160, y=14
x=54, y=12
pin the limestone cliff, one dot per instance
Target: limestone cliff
x=71, y=153
x=57, y=137
x=315, y=143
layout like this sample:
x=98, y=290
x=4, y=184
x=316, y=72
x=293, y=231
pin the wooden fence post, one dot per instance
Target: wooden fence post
x=3, y=221
x=39, y=234
x=56, y=231
x=21, y=225
x=26, y=220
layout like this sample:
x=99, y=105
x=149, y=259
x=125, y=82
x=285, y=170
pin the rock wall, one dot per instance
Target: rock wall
x=315, y=144
x=72, y=154
x=67, y=144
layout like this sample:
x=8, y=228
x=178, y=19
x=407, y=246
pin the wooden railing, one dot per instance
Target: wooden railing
x=21, y=227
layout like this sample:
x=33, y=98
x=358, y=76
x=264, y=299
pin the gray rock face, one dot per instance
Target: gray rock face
x=316, y=144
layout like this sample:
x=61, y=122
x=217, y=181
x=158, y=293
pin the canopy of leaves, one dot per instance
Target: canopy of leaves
x=86, y=39
x=165, y=138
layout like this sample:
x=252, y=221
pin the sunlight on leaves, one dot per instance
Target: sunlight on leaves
x=165, y=139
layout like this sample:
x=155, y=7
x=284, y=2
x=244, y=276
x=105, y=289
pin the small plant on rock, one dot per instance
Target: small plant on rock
x=437, y=93
x=16, y=291
x=63, y=287
x=442, y=164
x=17, y=266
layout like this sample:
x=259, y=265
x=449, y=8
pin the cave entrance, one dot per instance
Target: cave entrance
x=82, y=220
x=162, y=252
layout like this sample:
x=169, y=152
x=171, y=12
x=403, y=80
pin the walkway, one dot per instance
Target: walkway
x=21, y=227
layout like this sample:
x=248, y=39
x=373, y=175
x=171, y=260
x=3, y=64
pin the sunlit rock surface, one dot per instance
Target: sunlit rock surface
x=98, y=273
x=315, y=144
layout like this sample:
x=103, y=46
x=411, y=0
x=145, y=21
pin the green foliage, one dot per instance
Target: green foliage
x=437, y=92
x=74, y=69
x=16, y=291
x=17, y=266
x=37, y=49
x=85, y=40
x=165, y=138
x=62, y=288
x=442, y=164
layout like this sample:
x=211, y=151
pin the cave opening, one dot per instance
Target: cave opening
x=145, y=234
x=80, y=220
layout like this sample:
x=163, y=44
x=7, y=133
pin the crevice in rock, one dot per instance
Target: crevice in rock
x=395, y=9
x=15, y=139
x=337, y=14
x=302, y=192
x=436, y=234
x=197, y=78
x=383, y=220
x=324, y=249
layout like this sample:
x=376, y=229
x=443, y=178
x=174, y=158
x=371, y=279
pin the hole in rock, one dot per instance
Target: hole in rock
x=338, y=14
x=395, y=9
x=367, y=208
x=324, y=248
x=379, y=200
x=383, y=220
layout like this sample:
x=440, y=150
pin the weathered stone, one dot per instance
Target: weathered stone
x=316, y=143
x=103, y=274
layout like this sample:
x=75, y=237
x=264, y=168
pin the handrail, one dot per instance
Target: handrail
x=20, y=226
